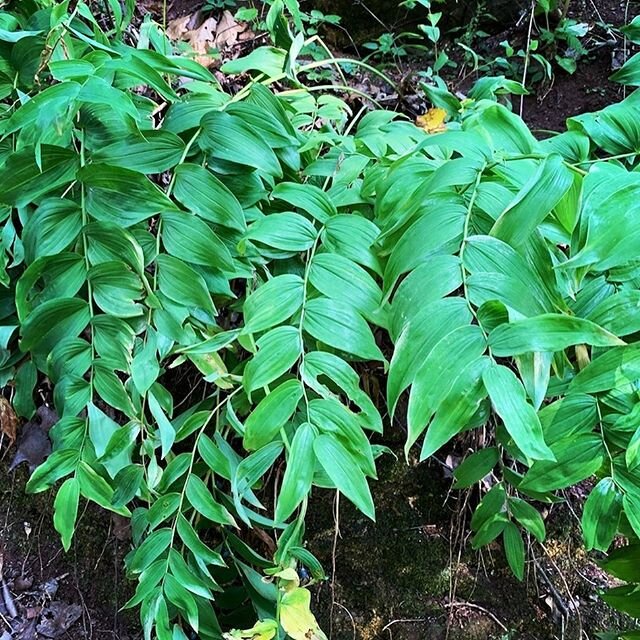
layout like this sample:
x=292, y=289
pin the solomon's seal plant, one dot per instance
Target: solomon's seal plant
x=210, y=283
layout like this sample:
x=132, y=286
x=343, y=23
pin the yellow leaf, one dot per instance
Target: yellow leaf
x=433, y=120
x=263, y=630
x=296, y=617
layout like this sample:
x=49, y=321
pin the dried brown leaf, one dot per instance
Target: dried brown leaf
x=228, y=31
x=8, y=420
x=57, y=618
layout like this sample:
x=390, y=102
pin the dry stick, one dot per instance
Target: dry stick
x=388, y=626
x=526, y=58
x=566, y=586
x=472, y=605
x=353, y=622
x=625, y=45
x=456, y=539
x=336, y=534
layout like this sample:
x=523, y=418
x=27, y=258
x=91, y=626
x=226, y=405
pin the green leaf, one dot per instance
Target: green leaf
x=109, y=242
x=227, y=137
x=155, y=545
x=337, y=324
x=457, y=407
x=345, y=473
x=475, y=467
x=619, y=313
x=187, y=576
x=203, y=194
x=490, y=506
x=202, y=501
x=144, y=366
x=528, y=517
x=200, y=550
x=24, y=181
x=437, y=374
x=278, y=351
x=181, y=284
x=52, y=228
x=548, y=332
x=437, y=277
x=520, y=419
x=286, y=231
x=121, y=195
x=601, y=515
x=343, y=280
x=420, y=334
x=577, y=458
x=25, y=381
x=439, y=229
x=632, y=454
x=249, y=472
x=116, y=289
x=52, y=321
x=629, y=73
x=307, y=198
x=607, y=234
x=623, y=563
x=273, y=302
x=165, y=428
x=538, y=197
x=267, y=60
x=65, y=510
x=151, y=152
x=613, y=368
x=271, y=414
x=323, y=363
x=514, y=549
x=189, y=238
x=111, y=390
x=499, y=272
x=352, y=237
x=298, y=475
x=96, y=488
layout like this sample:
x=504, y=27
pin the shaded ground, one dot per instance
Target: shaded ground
x=393, y=579
x=401, y=578
x=73, y=596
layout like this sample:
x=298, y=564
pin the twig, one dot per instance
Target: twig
x=403, y=621
x=557, y=596
x=336, y=535
x=471, y=605
x=353, y=622
x=526, y=59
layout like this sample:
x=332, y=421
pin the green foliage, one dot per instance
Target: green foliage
x=202, y=283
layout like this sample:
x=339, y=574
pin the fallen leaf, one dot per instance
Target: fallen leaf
x=57, y=618
x=178, y=27
x=432, y=121
x=34, y=445
x=8, y=420
x=27, y=630
x=227, y=31
x=201, y=39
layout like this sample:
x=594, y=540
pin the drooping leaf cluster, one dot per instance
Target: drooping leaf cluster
x=209, y=282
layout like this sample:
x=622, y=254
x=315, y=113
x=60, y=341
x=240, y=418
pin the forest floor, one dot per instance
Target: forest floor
x=408, y=576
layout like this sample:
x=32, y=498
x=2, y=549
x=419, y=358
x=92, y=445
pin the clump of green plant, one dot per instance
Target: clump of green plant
x=157, y=230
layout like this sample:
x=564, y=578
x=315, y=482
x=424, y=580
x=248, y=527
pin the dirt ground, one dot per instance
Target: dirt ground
x=404, y=577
